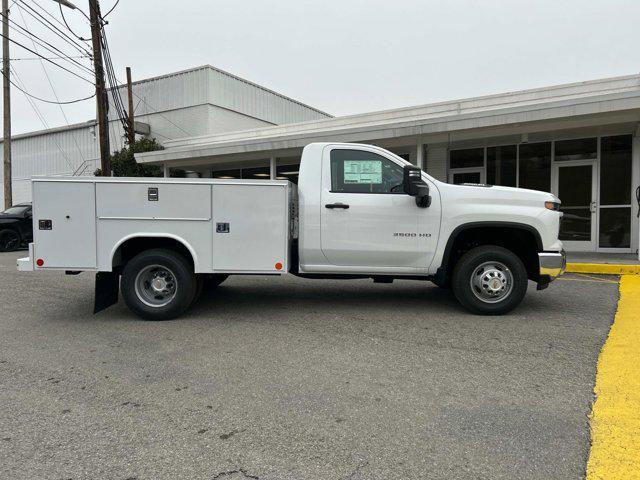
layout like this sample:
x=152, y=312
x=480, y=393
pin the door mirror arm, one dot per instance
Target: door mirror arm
x=423, y=202
x=414, y=186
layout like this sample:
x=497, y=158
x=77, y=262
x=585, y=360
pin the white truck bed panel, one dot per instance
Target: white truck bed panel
x=70, y=244
x=174, y=201
x=255, y=228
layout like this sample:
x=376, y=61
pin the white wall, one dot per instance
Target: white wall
x=223, y=120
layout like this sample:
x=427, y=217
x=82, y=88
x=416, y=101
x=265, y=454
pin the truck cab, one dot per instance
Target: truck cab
x=358, y=211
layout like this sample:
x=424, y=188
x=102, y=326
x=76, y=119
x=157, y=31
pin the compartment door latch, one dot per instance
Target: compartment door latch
x=152, y=194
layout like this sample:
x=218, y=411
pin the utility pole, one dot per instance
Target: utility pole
x=6, y=97
x=131, y=134
x=101, y=91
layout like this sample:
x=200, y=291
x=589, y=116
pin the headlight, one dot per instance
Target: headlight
x=555, y=206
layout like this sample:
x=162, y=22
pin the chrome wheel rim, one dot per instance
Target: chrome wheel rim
x=491, y=282
x=156, y=286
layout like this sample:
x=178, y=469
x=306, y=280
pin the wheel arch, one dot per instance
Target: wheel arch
x=133, y=244
x=528, y=235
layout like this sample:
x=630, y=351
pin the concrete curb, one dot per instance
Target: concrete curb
x=603, y=268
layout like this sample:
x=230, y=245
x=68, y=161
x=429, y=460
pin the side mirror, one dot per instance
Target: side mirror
x=414, y=186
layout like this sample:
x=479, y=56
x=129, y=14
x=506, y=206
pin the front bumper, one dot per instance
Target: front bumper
x=552, y=265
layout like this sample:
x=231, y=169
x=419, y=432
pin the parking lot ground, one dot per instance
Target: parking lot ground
x=283, y=378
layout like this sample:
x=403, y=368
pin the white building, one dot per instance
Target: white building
x=199, y=101
x=580, y=141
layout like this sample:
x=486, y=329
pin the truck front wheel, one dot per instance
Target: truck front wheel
x=489, y=280
x=158, y=284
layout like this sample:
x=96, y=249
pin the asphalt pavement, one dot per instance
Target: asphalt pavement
x=283, y=378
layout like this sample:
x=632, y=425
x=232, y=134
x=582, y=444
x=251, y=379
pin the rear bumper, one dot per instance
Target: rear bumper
x=26, y=264
x=552, y=265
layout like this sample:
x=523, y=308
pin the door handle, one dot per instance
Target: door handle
x=337, y=205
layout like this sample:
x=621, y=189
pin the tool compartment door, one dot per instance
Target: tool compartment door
x=250, y=228
x=64, y=228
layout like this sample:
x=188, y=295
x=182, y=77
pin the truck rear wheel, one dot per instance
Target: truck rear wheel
x=158, y=284
x=489, y=280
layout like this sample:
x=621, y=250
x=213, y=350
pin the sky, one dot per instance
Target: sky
x=341, y=56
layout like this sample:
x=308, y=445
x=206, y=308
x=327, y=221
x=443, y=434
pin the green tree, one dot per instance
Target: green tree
x=123, y=162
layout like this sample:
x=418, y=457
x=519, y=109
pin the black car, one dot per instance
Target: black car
x=16, y=228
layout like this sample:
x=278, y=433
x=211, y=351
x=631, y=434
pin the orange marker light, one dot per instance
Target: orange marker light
x=278, y=266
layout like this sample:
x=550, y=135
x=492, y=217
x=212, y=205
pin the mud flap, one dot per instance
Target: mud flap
x=107, y=286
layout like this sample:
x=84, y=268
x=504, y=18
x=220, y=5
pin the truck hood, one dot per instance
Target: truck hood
x=492, y=193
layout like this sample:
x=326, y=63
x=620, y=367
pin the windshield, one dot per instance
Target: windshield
x=17, y=210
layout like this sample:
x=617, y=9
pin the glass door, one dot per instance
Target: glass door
x=575, y=184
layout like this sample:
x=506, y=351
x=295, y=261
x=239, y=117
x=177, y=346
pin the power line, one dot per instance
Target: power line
x=60, y=33
x=113, y=82
x=46, y=59
x=63, y=23
x=44, y=44
x=42, y=119
x=67, y=25
x=50, y=58
x=44, y=69
x=111, y=10
x=49, y=101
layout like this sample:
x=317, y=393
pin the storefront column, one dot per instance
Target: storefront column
x=165, y=170
x=420, y=154
x=272, y=168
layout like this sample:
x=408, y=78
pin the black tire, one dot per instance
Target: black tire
x=9, y=240
x=176, y=276
x=200, y=279
x=489, y=280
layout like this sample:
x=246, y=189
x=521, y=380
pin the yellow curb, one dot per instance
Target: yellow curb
x=603, y=268
x=615, y=417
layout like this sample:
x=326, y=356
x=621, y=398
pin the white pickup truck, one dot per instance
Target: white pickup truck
x=358, y=211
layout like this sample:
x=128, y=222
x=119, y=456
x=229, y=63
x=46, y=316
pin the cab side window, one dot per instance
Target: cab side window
x=359, y=171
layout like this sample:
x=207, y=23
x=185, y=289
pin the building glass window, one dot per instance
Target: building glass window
x=359, y=171
x=615, y=192
x=458, y=178
x=469, y=157
x=227, y=174
x=256, y=173
x=615, y=170
x=535, y=166
x=288, y=172
x=501, y=165
x=581, y=149
x=615, y=227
